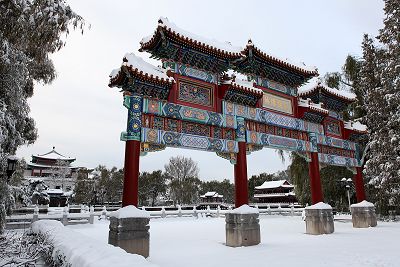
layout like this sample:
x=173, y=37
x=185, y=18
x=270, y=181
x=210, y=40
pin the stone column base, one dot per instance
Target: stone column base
x=319, y=221
x=242, y=229
x=363, y=216
x=130, y=234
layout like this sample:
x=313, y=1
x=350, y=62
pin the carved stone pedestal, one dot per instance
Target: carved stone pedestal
x=242, y=229
x=130, y=233
x=319, y=219
x=363, y=215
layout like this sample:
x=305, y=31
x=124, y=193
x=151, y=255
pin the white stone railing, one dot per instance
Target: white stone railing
x=24, y=221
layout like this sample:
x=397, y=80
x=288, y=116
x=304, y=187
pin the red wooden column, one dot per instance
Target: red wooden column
x=131, y=173
x=359, y=184
x=240, y=172
x=315, y=179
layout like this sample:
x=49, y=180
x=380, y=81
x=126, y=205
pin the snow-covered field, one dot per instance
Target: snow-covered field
x=176, y=242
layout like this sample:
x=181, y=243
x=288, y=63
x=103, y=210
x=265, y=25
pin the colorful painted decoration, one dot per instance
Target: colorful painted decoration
x=195, y=128
x=229, y=156
x=186, y=70
x=175, y=139
x=338, y=160
x=332, y=127
x=185, y=113
x=276, y=86
x=241, y=130
x=279, y=142
x=336, y=115
x=195, y=93
x=270, y=118
x=134, y=124
x=277, y=103
x=336, y=142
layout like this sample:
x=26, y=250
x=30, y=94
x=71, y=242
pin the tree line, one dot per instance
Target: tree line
x=179, y=183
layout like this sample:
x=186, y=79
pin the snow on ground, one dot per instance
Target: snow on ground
x=176, y=242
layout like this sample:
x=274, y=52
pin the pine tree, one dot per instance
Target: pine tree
x=381, y=76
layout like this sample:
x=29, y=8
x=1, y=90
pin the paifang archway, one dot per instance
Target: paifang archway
x=190, y=102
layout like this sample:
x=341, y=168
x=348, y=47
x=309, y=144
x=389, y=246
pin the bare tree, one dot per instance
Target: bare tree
x=180, y=168
x=184, y=183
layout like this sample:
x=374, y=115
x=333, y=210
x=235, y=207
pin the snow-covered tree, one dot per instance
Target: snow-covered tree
x=60, y=171
x=381, y=79
x=30, y=30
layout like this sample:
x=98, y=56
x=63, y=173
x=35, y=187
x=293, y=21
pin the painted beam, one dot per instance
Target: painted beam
x=182, y=140
x=186, y=113
x=270, y=118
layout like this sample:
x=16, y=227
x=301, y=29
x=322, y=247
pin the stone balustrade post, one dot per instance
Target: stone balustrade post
x=319, y=219
x=129, y=230
x=64, y=219
x=242, y=227
x=363, y=215
x=91, y=216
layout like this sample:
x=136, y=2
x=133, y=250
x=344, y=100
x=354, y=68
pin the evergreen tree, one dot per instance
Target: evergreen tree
x=151, y=186
x=83, y=190
x=29, y=32
x=381, y=78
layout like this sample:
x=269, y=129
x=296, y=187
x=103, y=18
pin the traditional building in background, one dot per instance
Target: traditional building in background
x=211, y=197
x=275, y=193
x=191, y=102
x=56, y=174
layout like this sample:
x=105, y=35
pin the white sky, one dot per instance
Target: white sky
x=82, y=117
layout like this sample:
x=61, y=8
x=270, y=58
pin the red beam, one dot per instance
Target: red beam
x=315, y=179
x=359, y=184
x=240, y=170
x=131, y=173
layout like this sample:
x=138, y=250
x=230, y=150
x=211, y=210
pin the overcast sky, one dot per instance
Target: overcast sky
x=82, y=117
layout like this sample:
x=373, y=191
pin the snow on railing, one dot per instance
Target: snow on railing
x=88, y=214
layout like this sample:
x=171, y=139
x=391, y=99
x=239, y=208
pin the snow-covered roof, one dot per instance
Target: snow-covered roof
x=286, y=62
x=54, y=191
x=274, y=195
x=210, y=44
x=30, y=164
x=68, y=193
x=316, y=83
x=211, y=194
x=274, y=184
x=138, y=66
x=53, y=155
x=307, y=103
x=243, y=85
x=34, y=179
x=355, y=126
